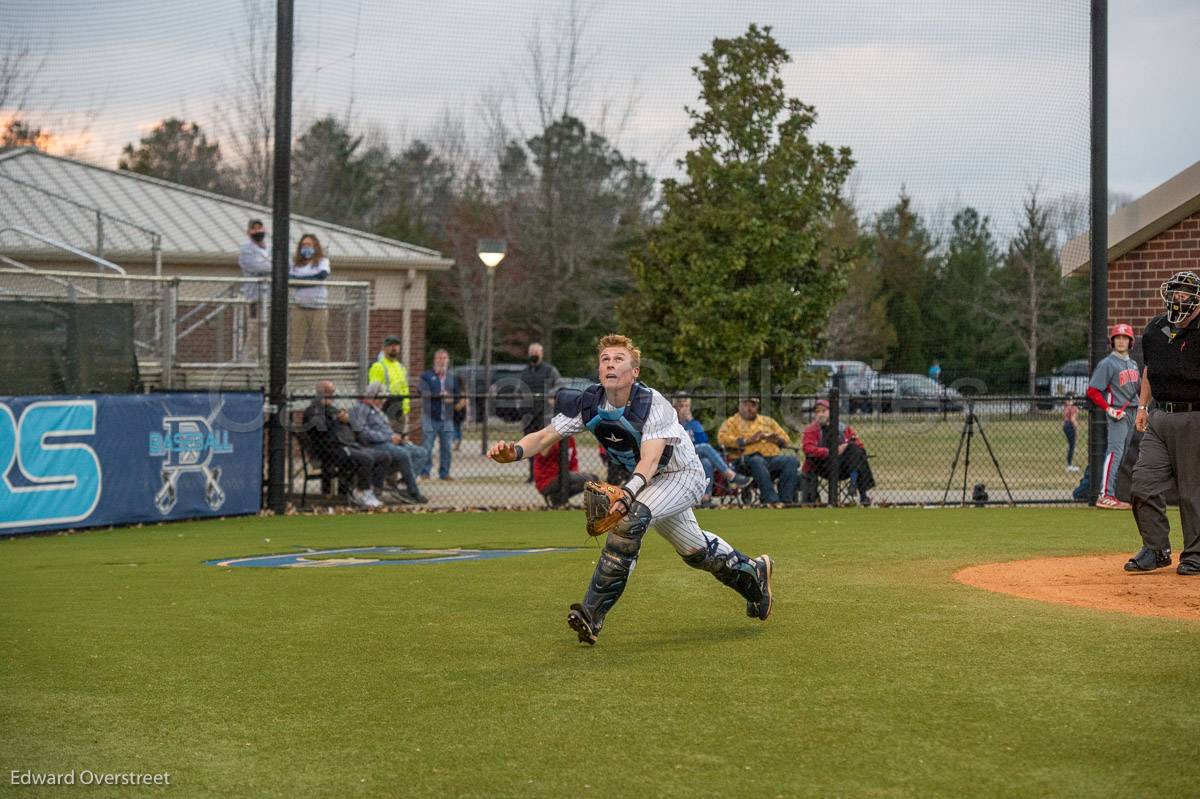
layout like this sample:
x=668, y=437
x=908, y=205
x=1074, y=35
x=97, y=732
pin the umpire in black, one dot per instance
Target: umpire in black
x=1170, y=451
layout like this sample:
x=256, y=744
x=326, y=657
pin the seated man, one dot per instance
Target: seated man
x=374, y=431
x=546, y=471
x=819, y=439
x=334, y=444
x=759, y=441
x=710, y=459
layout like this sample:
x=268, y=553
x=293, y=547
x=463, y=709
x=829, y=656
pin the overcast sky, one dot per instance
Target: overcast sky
x=960, y=102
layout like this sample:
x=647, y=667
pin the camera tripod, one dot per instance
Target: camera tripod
x=968, y=432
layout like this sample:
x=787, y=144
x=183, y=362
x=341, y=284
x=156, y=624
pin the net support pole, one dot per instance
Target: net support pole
x=281, y=215
x=1097, y=424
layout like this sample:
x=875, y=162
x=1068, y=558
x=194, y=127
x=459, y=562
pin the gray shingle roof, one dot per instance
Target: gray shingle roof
x=191, y=222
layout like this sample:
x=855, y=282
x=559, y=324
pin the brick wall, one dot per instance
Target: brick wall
x=1134, y=278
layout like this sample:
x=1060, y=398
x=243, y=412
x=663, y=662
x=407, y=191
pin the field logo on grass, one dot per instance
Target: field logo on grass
x=57, y=483
x=187, y=445
x=374, y=556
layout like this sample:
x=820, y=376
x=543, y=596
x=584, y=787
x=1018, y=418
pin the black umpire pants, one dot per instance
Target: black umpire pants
x=1169, y=459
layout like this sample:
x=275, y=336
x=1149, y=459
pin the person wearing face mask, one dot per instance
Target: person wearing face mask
x=311, y=317
x=254, y=259
x=541, y=380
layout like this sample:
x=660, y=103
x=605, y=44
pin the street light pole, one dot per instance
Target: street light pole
x=491, y=252
x=487, y=358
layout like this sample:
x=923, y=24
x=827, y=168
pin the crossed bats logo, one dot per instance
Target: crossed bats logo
x=187, y=445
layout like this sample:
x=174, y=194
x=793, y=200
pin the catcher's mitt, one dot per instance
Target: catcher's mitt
x=605, y=505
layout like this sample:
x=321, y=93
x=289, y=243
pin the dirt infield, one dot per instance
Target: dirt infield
x=1091, y=581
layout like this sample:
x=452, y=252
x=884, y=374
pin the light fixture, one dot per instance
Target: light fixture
x=491, y=251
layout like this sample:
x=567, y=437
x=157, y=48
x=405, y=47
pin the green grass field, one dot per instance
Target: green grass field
x=877, y=675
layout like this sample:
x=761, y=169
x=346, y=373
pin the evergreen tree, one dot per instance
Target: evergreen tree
x=739, y=268
x=177, y=151
x=902, y=251
x=968, y=340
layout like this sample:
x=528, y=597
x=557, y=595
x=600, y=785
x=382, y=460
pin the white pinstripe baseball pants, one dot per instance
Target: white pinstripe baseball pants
x=670, y=499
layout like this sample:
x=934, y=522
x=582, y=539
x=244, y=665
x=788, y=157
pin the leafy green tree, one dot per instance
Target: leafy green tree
x=739, y=268
x=858, y=327
x=967, y=340
x=903, y=252
x=177, y=151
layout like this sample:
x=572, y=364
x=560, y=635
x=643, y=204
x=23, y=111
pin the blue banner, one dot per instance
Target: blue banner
x=88, y=461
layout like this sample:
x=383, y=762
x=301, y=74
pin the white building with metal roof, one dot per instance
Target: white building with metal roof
x=57, y=213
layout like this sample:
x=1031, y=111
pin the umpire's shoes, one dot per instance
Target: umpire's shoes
x=762, y=608
x=1147, y=560
x=579, y=621
x=1189, y=567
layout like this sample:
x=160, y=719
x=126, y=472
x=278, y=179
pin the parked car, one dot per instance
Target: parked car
x=1070, y=379
x=918, y=393
x=506, y=389
x=859, y=384
x=577, y=383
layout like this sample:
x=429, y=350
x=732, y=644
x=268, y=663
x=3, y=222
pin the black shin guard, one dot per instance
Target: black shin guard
x=620, y=555
x=734, y=570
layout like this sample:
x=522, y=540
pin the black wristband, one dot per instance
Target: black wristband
x=520, y=452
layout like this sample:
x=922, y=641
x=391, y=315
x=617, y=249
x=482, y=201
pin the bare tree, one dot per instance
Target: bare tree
x=246, y=118
x=1033, y=300
x=19, y=69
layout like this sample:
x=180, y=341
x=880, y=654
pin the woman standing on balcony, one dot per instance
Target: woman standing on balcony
x=311, y=316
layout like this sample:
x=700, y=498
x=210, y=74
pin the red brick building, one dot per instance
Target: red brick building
x=1148, y=241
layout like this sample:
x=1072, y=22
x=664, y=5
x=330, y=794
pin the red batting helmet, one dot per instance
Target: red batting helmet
x=1120, y=330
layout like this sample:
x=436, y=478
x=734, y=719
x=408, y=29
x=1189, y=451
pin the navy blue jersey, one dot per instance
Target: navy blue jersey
x=621, y=431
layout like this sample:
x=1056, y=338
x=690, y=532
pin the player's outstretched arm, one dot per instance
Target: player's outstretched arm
x=530, y=445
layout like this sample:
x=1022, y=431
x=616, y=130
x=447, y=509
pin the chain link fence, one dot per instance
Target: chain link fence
x=986, y=449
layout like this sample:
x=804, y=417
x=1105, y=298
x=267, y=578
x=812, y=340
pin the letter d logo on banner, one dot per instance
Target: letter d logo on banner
x=65, y=478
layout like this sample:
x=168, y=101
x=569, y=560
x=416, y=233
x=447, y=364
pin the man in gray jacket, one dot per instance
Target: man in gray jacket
x=254, y=259
x=373, y=430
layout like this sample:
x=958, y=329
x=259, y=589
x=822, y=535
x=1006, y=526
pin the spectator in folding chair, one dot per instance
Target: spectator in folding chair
x=759, y=441
x=710, y=458
x=546, y=471
x=334, y=444
x=817, y=441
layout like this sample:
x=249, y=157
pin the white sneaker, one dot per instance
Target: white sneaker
x=358, y=498
x=372, y=500
x=1072, y=468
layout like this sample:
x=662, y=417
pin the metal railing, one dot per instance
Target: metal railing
x=207, y=331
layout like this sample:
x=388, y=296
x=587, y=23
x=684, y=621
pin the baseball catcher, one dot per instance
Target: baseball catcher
x=638, y=427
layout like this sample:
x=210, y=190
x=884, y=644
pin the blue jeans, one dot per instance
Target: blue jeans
x=766, y=470
x=1069, y=432
x=443, y=431
x=712, y=462
x=408, y=459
